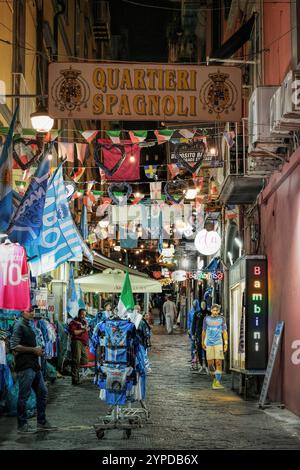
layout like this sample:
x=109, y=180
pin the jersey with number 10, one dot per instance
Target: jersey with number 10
x=14, y=278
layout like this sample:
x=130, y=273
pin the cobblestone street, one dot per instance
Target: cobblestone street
x=185, y=413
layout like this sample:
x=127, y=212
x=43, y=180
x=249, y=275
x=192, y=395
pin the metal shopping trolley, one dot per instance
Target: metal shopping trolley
x=120, y=376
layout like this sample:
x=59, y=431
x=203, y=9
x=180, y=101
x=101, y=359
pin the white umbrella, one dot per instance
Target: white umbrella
x=111, y=281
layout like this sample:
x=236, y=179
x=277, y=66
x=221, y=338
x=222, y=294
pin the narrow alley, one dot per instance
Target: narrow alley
x=185, y=413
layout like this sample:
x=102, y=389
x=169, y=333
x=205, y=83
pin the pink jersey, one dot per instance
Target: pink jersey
x=14, y=278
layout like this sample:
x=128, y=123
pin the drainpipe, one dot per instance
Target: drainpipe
x=61, y=10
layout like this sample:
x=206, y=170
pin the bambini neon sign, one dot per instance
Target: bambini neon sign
x=256, y=313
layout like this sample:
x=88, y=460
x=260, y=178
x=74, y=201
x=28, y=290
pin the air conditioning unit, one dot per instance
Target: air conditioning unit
x=259, y=121
x=277, y=128
x=290, y=101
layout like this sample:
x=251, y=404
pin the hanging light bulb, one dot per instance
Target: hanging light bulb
x=50, y=156
x=213, y=151
x=41, y=121
x=132, y=158
x=137, y=194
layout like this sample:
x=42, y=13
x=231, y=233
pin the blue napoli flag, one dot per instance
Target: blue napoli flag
x=26, y=225
x=72, y=299
x=60, y=240
x=6, y=195
x=83, y=223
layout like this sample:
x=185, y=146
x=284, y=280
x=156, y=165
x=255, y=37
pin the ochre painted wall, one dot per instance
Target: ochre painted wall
x=282, y=247
x=277, y=38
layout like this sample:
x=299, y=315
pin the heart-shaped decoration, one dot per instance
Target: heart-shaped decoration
x=183, y=147
x=26, y=149
x=178, y=185
x=97, y=152
x=120, y=188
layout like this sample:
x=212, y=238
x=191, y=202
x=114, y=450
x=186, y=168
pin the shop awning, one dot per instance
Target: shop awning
x=111, y=281
x=236, y=41
x=101, y=262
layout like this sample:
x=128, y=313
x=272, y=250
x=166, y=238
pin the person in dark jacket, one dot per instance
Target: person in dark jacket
x=28, y=368
x=196, y=331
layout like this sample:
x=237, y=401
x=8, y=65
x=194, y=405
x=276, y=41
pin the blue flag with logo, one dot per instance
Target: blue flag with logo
x=6, y=195
x=72, y=299
x=60, y=240
x=26, y=225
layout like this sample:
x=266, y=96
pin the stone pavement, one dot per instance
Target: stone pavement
x=186, y=414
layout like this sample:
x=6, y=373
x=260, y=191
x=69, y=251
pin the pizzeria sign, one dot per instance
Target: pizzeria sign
x=143, y=91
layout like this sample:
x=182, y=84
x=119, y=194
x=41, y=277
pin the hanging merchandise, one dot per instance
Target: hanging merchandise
x=189, y=155
x=151, y=171
x=163, y=135
x=155, y=190
x=26, y=225
x=179, y=188
x=120, y=162
x=14, y=277
x=119, y=188
x=114, y=136
x=60, y=240
x=6, y=195
x=137, y=137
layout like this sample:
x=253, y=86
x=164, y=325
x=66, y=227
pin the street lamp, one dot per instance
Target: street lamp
x=41, y=121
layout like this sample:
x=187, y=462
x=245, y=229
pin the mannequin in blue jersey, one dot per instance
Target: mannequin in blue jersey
x=215, y=342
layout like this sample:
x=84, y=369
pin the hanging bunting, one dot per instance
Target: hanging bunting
x=187, y=133
x=198, y=182
x=81, y=151
x=136, y=199
x=138, y=136
x=163, y=135
x=155, y=190
x=150, y=171
x=66, y=151
x=114, y=136
x=77, y=174
x=173, y=169
x=89, y=135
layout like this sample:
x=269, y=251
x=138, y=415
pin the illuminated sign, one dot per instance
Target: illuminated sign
x=208, y=242
x=144, y=91
x=180, y=276
x=256, y=313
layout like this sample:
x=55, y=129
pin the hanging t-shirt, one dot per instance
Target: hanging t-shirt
x=214, y=327
x=14, y=278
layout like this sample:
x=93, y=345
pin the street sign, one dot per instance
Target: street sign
x=269, y=371
x=144, y=91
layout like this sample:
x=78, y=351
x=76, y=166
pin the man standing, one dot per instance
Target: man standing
x=215, y=342
x=170, y=313
x=27, y=365
x=79, y=340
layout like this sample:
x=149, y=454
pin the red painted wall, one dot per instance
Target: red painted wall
x=277, y=38
x=280, y=218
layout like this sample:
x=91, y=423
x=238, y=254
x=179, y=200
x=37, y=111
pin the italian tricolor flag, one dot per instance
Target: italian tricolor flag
x=126, y=303
x=138, y=136
x=114, y=136
x=163, y=135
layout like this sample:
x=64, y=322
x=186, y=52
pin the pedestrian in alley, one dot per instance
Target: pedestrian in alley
x=196, y=331
x=170, y=313
x=215, y=343
x=79, y=340
x=28, y=368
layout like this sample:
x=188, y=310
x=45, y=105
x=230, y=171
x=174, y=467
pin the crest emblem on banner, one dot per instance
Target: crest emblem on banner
x=218, y=94
x=70, y=91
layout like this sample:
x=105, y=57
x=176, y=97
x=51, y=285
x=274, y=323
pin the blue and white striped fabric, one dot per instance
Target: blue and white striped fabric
x=60, y=240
